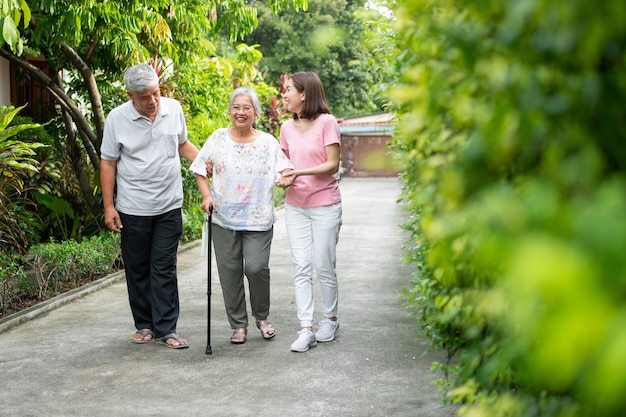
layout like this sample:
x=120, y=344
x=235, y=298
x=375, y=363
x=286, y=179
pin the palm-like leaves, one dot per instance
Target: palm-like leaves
x=16, y=157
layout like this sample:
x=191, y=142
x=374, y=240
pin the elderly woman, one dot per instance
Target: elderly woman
x=246, y=165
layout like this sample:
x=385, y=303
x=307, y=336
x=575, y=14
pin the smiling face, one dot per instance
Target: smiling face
x=294, y=100
x=242, y=112
x=147, y=102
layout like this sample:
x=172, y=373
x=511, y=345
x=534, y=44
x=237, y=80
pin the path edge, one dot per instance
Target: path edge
x=43, y=308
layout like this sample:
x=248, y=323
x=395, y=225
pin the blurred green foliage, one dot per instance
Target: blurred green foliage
x=512, y=136
x=12, y=278
x=346, y=42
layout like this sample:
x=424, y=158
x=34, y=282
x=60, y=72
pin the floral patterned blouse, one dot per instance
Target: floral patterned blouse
x=244, y=177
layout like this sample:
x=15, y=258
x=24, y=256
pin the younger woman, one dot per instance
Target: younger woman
x=311, y=140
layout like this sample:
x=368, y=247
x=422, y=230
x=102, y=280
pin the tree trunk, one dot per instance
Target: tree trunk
x=64, y=101
x=92, y=90
x=78, y=165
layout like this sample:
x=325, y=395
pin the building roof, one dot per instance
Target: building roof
x=383, y=119
x=368, y=124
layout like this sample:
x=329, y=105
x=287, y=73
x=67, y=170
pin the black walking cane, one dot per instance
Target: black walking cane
x=209, y=220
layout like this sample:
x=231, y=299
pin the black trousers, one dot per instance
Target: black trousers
x=149, y=251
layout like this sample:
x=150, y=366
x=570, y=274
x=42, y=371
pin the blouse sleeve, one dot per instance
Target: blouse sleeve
x=198, y=166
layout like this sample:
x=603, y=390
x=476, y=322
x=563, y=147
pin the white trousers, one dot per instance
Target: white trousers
x=313, y=234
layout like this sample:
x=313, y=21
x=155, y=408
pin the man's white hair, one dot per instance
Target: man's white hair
x=140, y=78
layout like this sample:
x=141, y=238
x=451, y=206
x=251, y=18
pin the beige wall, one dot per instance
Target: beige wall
x=370, y=156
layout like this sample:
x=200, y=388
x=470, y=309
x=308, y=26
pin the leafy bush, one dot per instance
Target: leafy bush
x=62, y=266
x=513, y=142
x=12, y=276
x=193, y=219
x=17, y=217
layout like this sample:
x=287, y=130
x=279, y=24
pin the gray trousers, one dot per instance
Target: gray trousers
x=240, y=253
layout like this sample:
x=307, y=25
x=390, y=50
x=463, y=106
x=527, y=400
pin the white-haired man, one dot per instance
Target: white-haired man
x=141, y=148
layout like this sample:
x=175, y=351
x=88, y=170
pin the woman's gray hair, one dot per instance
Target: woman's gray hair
x=250, y=93
x=139, y=78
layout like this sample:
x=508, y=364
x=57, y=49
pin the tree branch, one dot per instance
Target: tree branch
x=92, y=90
x=63, y=100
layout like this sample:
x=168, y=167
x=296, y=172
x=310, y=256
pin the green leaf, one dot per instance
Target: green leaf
x=26, y=13
x=55, y=204
x=10, y=34
x=7, y=113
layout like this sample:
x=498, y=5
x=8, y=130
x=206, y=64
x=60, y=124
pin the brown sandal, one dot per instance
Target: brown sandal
x=267, y=330
x=239, y=336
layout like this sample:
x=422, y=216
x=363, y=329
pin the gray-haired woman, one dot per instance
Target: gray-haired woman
x=246, y=164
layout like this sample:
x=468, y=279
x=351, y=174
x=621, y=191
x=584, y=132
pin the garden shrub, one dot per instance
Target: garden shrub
x=11, y=275
x=61, y=266
x=513, y=143
x=17, y=160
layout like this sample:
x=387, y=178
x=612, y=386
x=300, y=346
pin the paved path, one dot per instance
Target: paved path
x=77, y=360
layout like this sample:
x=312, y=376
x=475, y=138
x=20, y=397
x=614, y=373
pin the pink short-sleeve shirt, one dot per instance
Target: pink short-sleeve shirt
x=307, y=150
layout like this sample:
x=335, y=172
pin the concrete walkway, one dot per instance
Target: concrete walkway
x=77, y=359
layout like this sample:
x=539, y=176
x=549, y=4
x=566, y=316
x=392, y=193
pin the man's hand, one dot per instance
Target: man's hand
x=209, y=168
x=112, y=220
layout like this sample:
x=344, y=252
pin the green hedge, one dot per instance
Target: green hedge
x=65, y=265
x=512, y=136
x=56, y=267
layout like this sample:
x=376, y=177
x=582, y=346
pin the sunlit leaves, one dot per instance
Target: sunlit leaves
x=278, y=5
x=347, y=44
x=11, y=13
x=10, y=34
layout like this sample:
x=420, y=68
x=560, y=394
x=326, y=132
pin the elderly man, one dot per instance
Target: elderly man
x=143, y=139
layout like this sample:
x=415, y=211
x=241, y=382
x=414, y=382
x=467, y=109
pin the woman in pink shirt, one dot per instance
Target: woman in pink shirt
x=311, y=140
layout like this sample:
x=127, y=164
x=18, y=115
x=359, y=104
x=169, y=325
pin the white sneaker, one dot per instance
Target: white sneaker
x=327, y=330
x=305, y=340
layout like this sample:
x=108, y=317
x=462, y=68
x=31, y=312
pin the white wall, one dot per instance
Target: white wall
x=5, y=83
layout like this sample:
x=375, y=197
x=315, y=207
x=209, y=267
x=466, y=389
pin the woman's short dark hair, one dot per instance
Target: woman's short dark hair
x=315, y=98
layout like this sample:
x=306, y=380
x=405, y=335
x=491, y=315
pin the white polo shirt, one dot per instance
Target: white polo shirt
x=149, y=180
